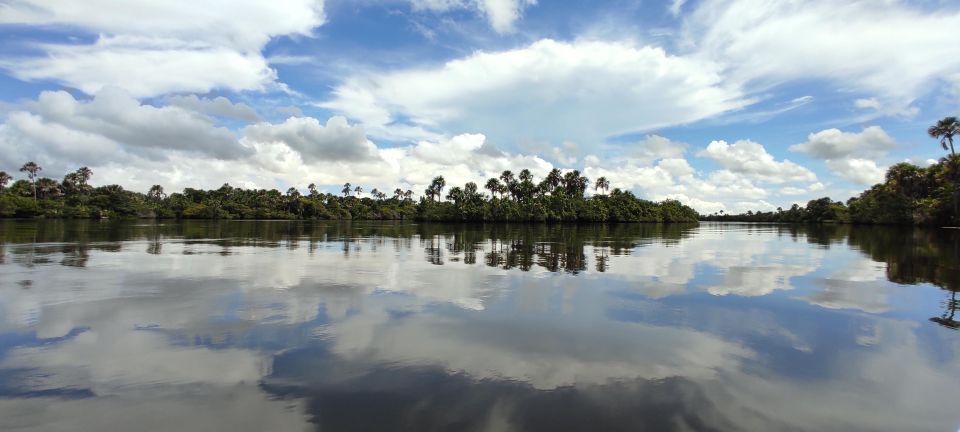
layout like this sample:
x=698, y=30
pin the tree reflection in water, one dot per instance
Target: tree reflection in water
x=911, y=255
x=368, y=333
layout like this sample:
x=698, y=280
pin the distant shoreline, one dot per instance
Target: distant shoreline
x=910, y=195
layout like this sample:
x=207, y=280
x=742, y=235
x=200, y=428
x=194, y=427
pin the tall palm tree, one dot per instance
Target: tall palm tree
x=436, y=187
x=32, y=169
x=553, y=180
x=945, y=130
x=48, y=188
x=398, y=194
x=493, y=185
x=346, y=189
x=375, y=193
x=602, y=183
x=525, y=175
x=71, y=183
x=507, y=177
x=83, y=176
x=574, y=183
x=456, y=195
x=509, y=182
x=4, y=179
x=358, y=190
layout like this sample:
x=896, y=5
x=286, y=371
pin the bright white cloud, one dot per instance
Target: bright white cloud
x=836, y=144
x=863, y=172
x=146, y=67
x=548, y=91
x=751, y=159
x=676, y=179
x=112, y=126
x=846, y=153
x=336, y=141
x=655, y=147
x=792, y=190
x=241, y=24
x=502, y=14
x=895, y=52
x=868, y=103
x=151, y=48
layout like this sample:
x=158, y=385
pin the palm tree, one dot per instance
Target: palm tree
x=31, y=168
x=436, y=187
x=945, y=130
x=470, y=190
x=48, y=188
x=509, y=182
x=408, y=195
x=83, y=176
x=493, y=185
x=346, y=189
x=574, y=183
x=525, y=175
x=602, y=183
x=4, y=179
x=507, y=177
x=358, y=190
x=71, y=183
x=553, y=180
x=456, y=195
x=375, y=193
x=398, y=194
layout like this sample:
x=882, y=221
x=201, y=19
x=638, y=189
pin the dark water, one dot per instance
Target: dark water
x=377, y=327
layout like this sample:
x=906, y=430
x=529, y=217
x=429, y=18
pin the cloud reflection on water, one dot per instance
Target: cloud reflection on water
x=688, y=328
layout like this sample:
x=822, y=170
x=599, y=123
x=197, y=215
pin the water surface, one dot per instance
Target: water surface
x=397, y=326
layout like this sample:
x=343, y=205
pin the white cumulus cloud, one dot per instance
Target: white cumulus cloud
x=111, y=126
x=891, y=50
x=851, y=155
x=751, y=159
x=335, y=141
x=151, y=48
x=547, y=91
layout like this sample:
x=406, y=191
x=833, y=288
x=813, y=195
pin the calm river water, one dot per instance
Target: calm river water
x=275, y=326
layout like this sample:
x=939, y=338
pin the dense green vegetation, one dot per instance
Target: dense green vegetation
x=558, y=197
x=908, y=195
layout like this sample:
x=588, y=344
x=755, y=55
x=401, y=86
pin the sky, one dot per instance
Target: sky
x=730, y=105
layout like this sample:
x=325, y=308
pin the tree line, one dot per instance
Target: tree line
x=909, y=195
x=559, y=196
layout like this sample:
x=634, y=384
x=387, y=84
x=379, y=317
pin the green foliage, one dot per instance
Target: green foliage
x=558, y=198
x=909, y=195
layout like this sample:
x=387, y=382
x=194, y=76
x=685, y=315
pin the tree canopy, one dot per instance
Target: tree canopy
x=557, y=197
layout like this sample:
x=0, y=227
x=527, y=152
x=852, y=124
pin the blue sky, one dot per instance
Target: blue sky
x=733, y=105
